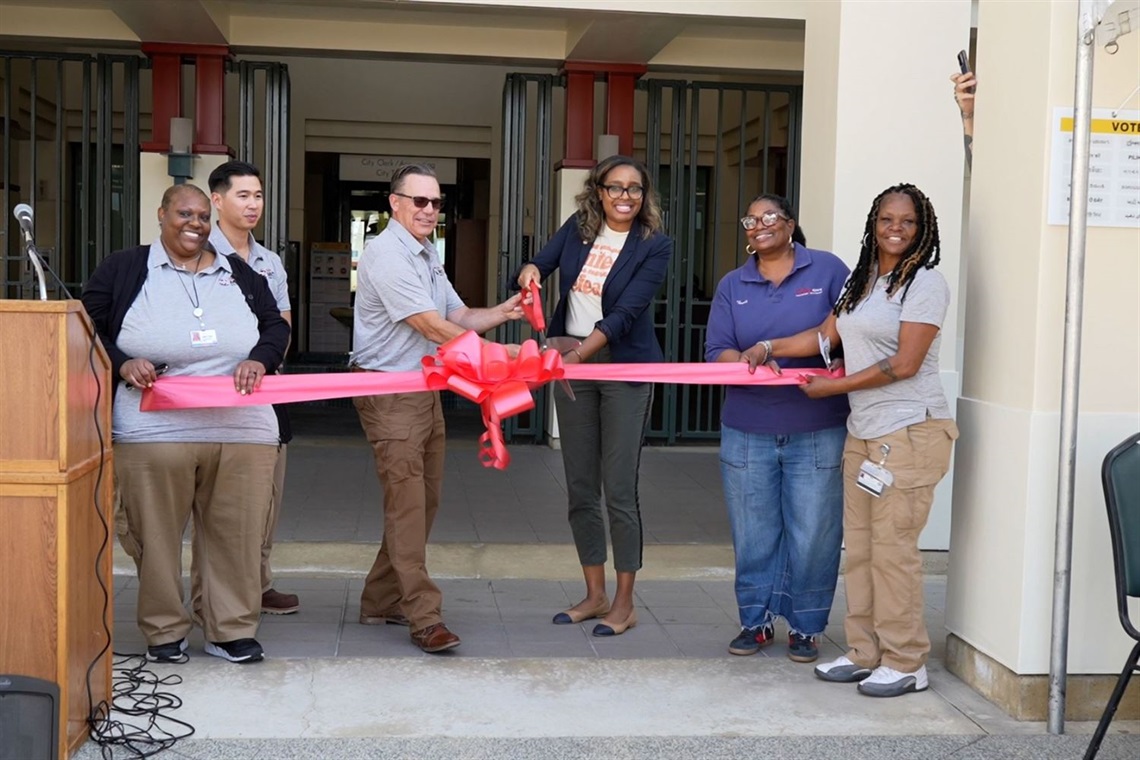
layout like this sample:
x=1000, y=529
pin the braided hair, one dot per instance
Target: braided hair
x=923, y=253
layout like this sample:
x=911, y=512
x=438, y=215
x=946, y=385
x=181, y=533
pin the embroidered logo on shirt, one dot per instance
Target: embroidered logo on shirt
x=224, y=279
x=741, y=303
x=809, y=292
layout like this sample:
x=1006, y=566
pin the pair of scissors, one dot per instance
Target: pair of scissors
x=534, y=315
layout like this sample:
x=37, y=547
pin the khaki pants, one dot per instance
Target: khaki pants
x=883, y=575
x=272, y=517
x=226, y=488
x=407, y=436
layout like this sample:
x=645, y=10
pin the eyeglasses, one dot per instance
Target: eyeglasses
x=767, y=219
x=616, y=191
x=421, y=202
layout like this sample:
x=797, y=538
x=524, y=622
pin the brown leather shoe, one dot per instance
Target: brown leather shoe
x=391, y=618
x=273, y=602
x=435, y=638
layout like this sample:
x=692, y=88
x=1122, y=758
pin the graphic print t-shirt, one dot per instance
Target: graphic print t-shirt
x=584, y=309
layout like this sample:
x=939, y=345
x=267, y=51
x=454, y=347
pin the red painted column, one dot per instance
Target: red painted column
x=621, y=81
x=166, y=87
x=210, y=103
x=209, y=63
x=579, y=151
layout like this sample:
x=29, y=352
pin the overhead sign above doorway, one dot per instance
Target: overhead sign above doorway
x=360, y=168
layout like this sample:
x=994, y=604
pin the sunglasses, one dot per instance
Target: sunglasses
x=421, y=202
x=767, y=219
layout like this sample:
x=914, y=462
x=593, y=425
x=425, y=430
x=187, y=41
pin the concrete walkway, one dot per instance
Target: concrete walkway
x=519, y=687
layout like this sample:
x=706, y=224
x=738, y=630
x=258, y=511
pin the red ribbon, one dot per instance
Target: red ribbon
x=481, y=372
x=501, y=386
x=533, y=310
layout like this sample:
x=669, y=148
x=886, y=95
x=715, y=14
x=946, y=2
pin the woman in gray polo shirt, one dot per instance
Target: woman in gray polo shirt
x=900, y=435
x=178, y=305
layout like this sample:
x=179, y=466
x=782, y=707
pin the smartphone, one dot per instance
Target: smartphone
x=160, y=368
x=964, y=64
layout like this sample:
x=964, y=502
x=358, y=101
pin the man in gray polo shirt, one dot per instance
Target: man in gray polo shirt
x=405, y=307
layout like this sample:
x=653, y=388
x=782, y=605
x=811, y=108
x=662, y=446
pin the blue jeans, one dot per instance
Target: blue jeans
x=785, y=504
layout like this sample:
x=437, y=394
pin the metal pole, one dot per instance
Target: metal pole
x=1070, y=381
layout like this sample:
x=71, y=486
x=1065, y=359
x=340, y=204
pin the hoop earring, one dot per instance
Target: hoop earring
x=749, y=250
x=865, y=242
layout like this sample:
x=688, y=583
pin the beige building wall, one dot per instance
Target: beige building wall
x=878, y=111
x=1005, y=482
x=154, y=179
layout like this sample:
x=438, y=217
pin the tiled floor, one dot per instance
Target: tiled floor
x=336, y=688
x=511, y=618
x=332, y=493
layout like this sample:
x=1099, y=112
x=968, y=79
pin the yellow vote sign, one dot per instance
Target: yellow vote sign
x=1114, y=168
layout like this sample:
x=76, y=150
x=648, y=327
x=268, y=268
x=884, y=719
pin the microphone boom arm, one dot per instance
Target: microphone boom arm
x=34, y=255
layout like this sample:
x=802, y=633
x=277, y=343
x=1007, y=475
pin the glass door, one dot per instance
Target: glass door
x=367, y=214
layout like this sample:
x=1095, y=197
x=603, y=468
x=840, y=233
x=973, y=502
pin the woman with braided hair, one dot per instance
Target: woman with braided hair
x=900, y=434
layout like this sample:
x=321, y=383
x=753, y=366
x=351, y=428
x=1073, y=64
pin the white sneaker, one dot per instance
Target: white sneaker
x=841, y=670
x=888, y=682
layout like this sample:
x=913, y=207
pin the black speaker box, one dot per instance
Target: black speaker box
x=29, y=719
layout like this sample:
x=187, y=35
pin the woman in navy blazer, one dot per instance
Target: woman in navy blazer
x=612, y=257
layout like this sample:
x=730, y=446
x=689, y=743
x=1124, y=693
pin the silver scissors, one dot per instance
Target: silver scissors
x=561, y=344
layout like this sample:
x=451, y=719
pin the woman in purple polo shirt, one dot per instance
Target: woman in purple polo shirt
x=780, y=452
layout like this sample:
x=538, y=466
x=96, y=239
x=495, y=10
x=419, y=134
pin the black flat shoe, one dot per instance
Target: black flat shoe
x=569, y=617
x=616, y=629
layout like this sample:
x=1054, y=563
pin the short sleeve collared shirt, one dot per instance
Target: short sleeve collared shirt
x=398, y=276
x=870, y=334
x=263, y=261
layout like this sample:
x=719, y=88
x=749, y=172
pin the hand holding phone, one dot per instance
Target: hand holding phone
x=964, y=65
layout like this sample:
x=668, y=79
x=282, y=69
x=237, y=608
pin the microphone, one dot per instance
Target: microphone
x=26, y=218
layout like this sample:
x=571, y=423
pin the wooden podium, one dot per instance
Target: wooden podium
x=51, y=605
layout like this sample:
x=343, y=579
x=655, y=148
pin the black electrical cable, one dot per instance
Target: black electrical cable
x=134, y=688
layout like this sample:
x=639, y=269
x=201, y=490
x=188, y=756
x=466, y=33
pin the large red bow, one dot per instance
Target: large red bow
x=486, y=374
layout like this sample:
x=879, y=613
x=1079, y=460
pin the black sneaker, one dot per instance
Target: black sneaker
x=752, y=640
x=802, y=648
x=242, y=650
x=174, y=652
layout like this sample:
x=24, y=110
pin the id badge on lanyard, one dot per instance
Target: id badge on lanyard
x=875, y=478
x=202, y=338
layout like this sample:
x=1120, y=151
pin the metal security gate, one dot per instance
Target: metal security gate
x=69, y=149
x=527, y=199
x=711, y=147
x=269, y=83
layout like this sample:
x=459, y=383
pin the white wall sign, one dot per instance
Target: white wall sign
x=358, y=168
x=1114, y=168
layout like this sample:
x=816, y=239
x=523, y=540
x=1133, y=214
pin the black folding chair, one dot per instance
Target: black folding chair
x=1121, y=477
